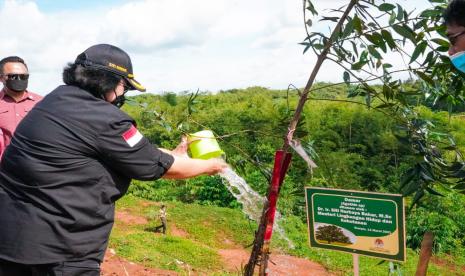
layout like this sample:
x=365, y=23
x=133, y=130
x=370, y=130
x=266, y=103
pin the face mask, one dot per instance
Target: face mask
x=16, y=85
x=119, y=101
x=459, y=61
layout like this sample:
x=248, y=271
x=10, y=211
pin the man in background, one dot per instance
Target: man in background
x=15, y=99
x=162, y=216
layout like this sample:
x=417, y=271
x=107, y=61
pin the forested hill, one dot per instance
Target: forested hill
x=355, y=147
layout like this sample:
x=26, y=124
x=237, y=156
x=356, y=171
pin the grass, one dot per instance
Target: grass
x=209, y=229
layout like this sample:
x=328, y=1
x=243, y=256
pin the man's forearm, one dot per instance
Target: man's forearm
x=184, y=167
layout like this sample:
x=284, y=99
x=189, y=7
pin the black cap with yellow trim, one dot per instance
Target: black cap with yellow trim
x=110, y=58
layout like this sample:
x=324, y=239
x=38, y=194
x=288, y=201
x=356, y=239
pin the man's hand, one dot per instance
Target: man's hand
x=216, y=165
x=181, y=148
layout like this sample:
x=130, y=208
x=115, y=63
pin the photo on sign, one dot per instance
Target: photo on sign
x=332, y=234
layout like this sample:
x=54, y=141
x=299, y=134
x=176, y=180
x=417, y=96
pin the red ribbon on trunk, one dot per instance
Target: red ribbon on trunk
x=281, y=164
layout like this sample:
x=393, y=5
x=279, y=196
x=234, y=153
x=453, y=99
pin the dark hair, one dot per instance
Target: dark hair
x=10, y=59
x=454, y=14
x=93, y=80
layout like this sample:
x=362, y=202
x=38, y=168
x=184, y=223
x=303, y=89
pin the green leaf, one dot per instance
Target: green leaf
x=318, y=46
x=311, y=8
x=411, y=187
x=441, y=42
x=420, y=49
x=442, y=49
x=354, y=47
x=372, y=50
x=349, y=28
x=358, y=24
x=400, y=13
x=385, y=105
x=387, y=92
x=387, y=66
x=425, y=77
x=388, y=38
x=346, y=77
x=404, y=31
x=417, y=198
x=307, y=46
x=330, y=18
x=309, y=22
x=430, y=13
x=371, y=38
x=353, y=91
x=392, y=18
x=431, y=191
x=368, y=100
x=429, y=59
x=421, y=24
x=358, y=65
x=426, y=177
x=407, y=177
x=460, y=186
x=385, y=7
x=381, y=43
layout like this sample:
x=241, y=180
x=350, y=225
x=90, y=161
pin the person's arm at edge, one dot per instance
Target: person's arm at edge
x=185, y=167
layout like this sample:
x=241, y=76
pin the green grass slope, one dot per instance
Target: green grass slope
x=196, y=233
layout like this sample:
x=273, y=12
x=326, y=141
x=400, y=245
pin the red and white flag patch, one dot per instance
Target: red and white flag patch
x=132, y=136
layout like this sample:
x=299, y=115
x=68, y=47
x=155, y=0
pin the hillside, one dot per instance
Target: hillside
x=211, y=240
x=355, y=147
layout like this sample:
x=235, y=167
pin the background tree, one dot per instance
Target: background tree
x=331, y=233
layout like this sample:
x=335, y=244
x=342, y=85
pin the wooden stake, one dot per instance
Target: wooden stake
x=425, y=254
x=356, y=264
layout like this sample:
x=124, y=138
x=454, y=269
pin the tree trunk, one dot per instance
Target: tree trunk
x=425, y=254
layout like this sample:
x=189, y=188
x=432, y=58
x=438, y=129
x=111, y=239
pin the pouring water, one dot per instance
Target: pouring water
x=252, y=202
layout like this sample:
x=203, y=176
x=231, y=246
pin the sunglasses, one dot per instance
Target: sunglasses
x=453, y=38
x=126, y=86
x=17, y=76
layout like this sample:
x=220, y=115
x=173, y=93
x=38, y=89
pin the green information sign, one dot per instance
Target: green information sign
x=364, y=223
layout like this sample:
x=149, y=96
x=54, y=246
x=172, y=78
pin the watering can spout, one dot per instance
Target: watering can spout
x=203, y=145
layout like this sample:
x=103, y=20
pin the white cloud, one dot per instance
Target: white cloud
x=175, y=45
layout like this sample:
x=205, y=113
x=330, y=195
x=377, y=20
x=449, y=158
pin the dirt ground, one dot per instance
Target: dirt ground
x=233, y=259
x=117, y=266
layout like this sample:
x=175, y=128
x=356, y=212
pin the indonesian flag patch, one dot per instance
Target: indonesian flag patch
x=132, y=136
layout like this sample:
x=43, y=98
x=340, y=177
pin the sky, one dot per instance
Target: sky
x=175, y=45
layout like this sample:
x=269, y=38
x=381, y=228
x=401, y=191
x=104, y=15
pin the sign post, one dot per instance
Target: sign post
x=365, y=223
x=355, y=264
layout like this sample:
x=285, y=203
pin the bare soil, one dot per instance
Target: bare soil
x=234, y=259
x=127, y=218
x=454, y=269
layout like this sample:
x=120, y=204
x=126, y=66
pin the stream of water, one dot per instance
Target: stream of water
x=252, y=202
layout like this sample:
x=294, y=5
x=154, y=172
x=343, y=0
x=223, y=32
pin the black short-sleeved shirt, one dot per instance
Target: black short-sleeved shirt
x=70, y=159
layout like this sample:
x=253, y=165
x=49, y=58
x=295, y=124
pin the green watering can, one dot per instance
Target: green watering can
x=203, y=145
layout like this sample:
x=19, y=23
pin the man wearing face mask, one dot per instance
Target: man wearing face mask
x=15, y=99
x=454, y=18
x=70, y=159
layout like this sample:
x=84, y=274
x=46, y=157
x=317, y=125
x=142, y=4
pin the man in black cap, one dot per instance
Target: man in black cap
x=70, y=159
